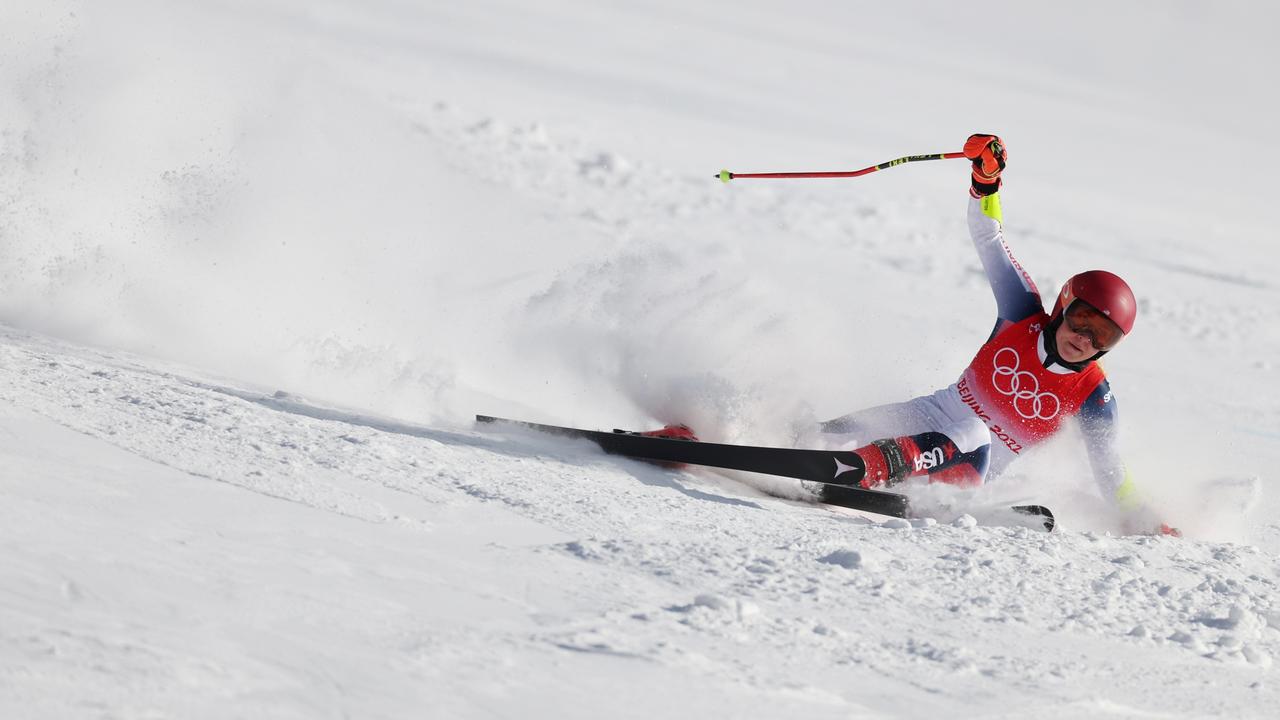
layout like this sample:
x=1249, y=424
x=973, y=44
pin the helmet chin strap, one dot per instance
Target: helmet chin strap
x=1051, y=348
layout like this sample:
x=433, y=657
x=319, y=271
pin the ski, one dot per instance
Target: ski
x=836, y=471
x=1045, y=514
x=819, y=466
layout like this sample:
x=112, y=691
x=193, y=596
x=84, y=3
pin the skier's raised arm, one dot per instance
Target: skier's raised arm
x=1016, y=295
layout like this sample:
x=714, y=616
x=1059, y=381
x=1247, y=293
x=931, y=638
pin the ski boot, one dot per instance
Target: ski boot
x=670, y=432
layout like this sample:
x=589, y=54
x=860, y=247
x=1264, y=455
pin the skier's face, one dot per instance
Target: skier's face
x=1073, y=347
x=1084, y=332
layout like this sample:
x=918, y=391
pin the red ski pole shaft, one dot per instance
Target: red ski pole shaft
x=726, y=176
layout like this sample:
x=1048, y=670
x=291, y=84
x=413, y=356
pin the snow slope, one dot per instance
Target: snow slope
x=180, y=548
x=262, y=212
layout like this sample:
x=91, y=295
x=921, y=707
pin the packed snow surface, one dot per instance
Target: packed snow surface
x=261, y=263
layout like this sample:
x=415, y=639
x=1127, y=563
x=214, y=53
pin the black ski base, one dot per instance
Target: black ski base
x=837, y=471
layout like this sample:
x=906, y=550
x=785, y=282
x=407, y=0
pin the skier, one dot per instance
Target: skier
x=1035, y=371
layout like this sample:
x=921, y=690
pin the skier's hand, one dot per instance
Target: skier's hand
x=1143, y=520
x=989, y=158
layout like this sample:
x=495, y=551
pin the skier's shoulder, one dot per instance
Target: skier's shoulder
x=1100, y=404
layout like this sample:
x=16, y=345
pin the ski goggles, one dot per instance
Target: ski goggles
x=1085, y=320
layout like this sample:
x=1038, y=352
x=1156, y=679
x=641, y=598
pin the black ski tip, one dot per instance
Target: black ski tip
x=1039, y=511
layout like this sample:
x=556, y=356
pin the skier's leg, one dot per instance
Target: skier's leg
x=955, y=453
x=912, y=438
x=890, y=420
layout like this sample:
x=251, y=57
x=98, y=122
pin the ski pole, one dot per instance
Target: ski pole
x=726, y=176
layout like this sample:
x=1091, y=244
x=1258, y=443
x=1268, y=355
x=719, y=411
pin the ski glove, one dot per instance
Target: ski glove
x=1143, y=520
x=989, y=157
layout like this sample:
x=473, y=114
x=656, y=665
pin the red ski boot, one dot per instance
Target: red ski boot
x=672, y=432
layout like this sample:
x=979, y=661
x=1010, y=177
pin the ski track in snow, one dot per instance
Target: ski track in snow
x=683, y=573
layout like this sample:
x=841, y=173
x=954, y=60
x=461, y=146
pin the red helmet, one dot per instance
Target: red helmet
x=1106, y=292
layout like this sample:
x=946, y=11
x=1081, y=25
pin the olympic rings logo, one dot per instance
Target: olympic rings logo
x=1023, y=387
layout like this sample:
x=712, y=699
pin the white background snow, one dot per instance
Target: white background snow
x=261, y=262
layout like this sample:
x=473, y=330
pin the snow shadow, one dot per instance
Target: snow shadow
x=644, y=472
